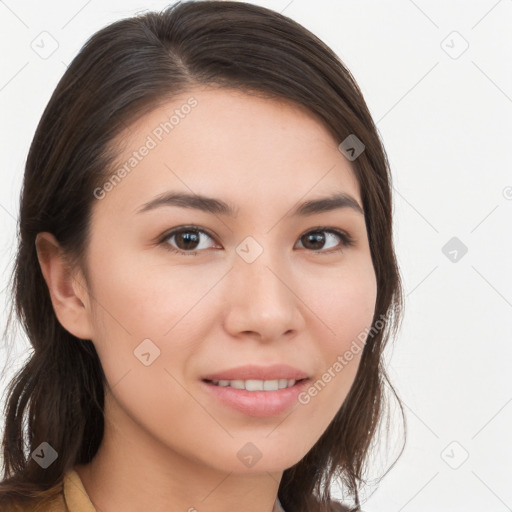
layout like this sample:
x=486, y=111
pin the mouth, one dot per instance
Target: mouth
x=256, y=398
x=256, y=384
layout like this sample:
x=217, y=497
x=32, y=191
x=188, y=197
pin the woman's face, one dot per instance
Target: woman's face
x=267, y=285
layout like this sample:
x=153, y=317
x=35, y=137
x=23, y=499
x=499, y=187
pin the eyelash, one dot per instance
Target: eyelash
x=346, y=239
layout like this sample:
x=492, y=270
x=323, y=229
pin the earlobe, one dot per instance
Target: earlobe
x=68, y=296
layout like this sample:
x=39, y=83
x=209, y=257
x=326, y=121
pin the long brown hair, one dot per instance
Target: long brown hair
x=122, y=72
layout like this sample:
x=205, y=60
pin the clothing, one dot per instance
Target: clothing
x=74, y=497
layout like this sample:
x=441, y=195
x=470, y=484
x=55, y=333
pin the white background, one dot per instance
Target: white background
x=445, y=117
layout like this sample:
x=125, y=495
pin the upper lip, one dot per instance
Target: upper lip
x=273, y=372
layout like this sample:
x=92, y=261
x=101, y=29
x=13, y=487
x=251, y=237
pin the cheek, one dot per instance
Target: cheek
x=346, y=305
x=146, y=312
x=146, y=299
x=345, y=309
x=140, y=321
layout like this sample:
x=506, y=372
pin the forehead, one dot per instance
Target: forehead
x=231, y=144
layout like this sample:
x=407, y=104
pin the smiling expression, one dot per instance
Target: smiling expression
x=272, y=266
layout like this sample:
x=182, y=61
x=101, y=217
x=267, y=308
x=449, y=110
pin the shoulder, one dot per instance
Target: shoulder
x=53, y=504
x=49, y=500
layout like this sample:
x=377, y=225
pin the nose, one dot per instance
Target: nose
x=262, y=301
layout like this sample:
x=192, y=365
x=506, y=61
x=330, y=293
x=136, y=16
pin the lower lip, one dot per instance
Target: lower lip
x=257, y=403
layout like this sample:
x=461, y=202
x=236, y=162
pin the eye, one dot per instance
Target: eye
x=187, y=239
x=316, y=237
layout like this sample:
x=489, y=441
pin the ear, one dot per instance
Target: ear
x=68, y=292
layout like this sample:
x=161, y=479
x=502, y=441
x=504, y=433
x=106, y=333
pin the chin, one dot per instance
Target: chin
x=249, y=459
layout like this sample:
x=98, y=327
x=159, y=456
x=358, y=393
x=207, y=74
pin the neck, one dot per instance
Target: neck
x=133, y=471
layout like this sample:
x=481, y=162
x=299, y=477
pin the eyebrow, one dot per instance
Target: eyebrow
x=219, y=207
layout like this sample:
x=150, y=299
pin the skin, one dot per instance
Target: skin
x=167, y=445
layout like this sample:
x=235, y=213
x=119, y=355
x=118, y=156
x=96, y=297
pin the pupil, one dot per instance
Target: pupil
x=189, y=239
x=316, y=237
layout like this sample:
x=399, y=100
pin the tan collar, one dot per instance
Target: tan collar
x=75, y=495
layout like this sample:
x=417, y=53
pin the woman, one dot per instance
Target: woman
x=205, y=271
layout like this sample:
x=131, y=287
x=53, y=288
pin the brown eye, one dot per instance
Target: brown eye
x=187, y=240
x=315, y=240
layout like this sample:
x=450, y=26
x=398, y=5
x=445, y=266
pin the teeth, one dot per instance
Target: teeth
x=256, y=385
